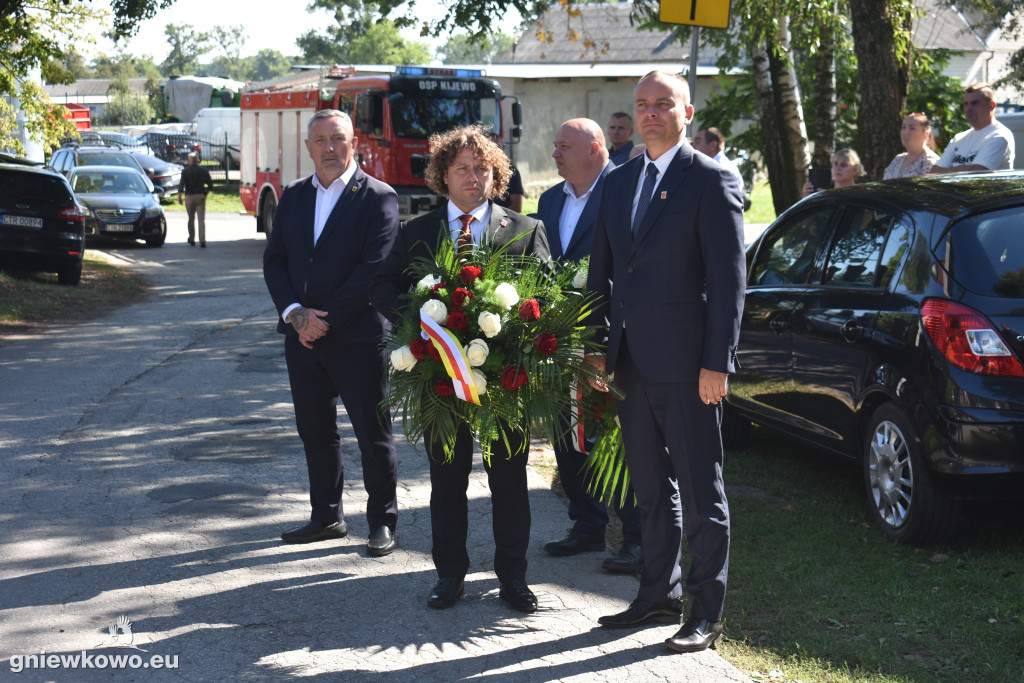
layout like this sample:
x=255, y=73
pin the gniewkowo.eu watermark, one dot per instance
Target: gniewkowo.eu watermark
x=121, y=636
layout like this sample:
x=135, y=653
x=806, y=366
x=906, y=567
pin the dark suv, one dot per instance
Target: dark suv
x=173, y=147
x=885, y=322
x=42, y=225
x=67, y=158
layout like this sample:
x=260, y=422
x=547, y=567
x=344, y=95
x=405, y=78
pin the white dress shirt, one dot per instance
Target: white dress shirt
x=481, y=217
x=572, y=209
x=661, y=163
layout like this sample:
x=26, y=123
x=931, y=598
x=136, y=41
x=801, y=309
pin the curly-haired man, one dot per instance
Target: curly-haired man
x=470, y=170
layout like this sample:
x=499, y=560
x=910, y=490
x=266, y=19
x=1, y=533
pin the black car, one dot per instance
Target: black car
x=885, y=322
x=121, y=205
x=42, y=225
x=162, y=174
x=172, y=146
x=65, y=159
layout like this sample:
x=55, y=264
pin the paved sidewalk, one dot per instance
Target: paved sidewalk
x=151, y=463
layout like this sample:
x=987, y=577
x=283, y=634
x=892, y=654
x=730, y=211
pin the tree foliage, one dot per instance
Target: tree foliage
x=465, y=48
x=362, y=34
x=34, y=37
x=187, y=47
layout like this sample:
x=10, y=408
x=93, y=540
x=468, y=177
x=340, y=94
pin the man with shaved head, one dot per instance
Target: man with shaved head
x=569, y=213
x=668, y=262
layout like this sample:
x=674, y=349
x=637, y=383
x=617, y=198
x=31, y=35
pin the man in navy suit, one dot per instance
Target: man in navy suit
x=471, y=170
x=569, y=213
x=668, y=258
x=331, y=231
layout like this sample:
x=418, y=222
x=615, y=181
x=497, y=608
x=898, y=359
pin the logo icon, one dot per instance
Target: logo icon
x=121, y=633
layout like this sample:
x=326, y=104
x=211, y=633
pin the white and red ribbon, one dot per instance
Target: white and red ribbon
x=454, y=358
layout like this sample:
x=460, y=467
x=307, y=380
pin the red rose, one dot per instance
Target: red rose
x=457, y=321
x=513, y=377
x=435, y=288
x=545, y=343
x=469, y=274
x=444, y=387
x=433, y=352
x=529, y=310
x=460, y=296
x=419, y=348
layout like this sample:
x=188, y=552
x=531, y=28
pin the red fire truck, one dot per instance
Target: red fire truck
x=393, y=115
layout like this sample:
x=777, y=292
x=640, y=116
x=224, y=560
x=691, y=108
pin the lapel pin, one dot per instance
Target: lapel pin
x=664, y=195
x=504, y=222
x=355, y=189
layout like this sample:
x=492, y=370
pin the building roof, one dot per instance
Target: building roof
x=600, y=32
x=91, y=87
x=941, y=26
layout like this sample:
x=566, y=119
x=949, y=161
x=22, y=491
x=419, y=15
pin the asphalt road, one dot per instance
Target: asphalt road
x=151, y=463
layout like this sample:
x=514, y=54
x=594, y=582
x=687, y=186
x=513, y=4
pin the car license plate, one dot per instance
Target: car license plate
x=118, y=228
x=23, y=221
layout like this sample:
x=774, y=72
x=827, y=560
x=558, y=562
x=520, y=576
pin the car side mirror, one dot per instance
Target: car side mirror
x=158, y=191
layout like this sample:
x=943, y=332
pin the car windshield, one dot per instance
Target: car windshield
x=105, y=159
x=987, y=253
x=108, y=182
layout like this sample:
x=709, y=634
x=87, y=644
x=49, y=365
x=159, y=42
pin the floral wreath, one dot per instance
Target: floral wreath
x=494, y=341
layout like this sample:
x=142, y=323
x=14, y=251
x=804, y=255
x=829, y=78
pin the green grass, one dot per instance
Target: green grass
x=220, y=200
x=762, y=210
x=30, y=298
x=817, y=594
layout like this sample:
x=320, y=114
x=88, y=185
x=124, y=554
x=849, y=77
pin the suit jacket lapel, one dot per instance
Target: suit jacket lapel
x=355, y=184
x=588, y=219
x=666, y=189
x=499, y=230
x=551, y=221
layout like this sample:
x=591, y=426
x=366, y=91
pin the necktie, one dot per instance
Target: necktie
x=465, y=236
x=645, y=195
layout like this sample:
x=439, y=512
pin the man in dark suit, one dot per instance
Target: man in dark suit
x=471, y=170
x=330, y=233
x=569, y=213
x=668, y=258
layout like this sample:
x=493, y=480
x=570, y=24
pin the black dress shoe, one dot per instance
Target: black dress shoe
x=518, y=595
x=629, y=560
x=191, y=242
x=641, y=612
x=315, y=531
x=696, y=634
x=203, y=245
x=381, y=542
x=575, y=542
x=445, y=593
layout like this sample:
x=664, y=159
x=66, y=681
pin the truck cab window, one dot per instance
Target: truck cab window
x=370, y=114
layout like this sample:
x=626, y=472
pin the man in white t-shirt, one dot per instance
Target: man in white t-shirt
x=987, y=145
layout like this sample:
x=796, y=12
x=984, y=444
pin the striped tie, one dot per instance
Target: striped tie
x=465, y=236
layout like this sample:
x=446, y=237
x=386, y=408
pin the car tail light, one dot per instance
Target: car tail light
x=73, y=213
x=967, y=339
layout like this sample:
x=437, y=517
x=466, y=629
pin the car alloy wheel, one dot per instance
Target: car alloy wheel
x=904, y=503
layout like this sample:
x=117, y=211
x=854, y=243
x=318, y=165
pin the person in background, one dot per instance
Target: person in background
x=513, y=197
x=711, y=142
x=569, y=213
x=620, y=135
x=331, y=231
x=195, y=185
x=916, y=135
x=846, y=169
x=987, y=145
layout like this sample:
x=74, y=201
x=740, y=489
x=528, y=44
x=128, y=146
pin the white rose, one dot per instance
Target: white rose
x=507, y=294
x=428, y=282
x=402, y=359
x=579, y=280
x=436, y=311
x=490, y=323
x=480, y=381
x=477, y=352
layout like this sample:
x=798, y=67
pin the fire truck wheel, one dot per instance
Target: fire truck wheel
x=267, y=214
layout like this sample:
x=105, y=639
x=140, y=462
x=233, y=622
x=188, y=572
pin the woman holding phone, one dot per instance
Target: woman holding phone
x=845, y=170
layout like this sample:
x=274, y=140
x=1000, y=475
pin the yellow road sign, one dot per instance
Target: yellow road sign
x=709, y=13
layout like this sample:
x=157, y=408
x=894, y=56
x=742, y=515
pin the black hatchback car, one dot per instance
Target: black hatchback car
x=885, y=322
x=42, y=225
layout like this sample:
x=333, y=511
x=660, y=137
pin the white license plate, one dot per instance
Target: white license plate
x=23, y=221
x=119, y=228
